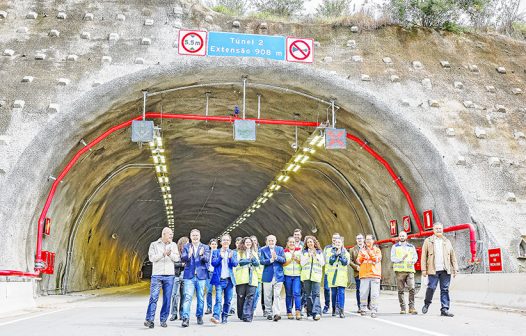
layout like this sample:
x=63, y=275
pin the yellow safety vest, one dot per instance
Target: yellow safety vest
x=312, y=269
x=247, y=274
x=336, y=273
x=406, y=265
x=294, y=267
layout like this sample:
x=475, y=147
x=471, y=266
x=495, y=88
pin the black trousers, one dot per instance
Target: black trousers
x=245, y=301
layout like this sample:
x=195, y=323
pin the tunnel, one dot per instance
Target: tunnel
x=109, y=207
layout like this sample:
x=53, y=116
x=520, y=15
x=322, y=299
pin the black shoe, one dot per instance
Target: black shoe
x=425, y=309
x=149, y=324
x=224, y=319
x=341, y=313
x=269, y=317
x=232, y=312
x=200, y=320
x=446, y=313
x=173, y=317
x=334, y=312
x=208, y=311
x=186, y=323
x=276, y=318
x=325, y=310
x=163, y=324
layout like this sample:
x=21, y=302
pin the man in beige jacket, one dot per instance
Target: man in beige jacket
x=439, y=262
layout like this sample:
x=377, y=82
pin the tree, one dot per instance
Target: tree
x=508, y=14
x=333, y=8
x=233, y=7
x=284, y=8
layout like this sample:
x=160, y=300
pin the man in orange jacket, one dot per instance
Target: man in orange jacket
x=370, y=260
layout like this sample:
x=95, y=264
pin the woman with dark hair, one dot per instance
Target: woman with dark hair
x=292, y=271
x=246, y=275
x=177, y=289
x=312, y=262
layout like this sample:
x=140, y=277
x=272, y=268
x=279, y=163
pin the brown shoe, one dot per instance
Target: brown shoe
x=289, y=316
x=214, y=320
x=298, y=315
x=402, y=311
x=277, y=318
x=413, y=311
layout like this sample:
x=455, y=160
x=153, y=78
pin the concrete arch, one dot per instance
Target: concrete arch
x=364, y=112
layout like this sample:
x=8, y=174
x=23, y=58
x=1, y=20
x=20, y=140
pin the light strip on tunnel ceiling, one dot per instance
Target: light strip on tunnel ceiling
x=161, y=170
x=302, y=155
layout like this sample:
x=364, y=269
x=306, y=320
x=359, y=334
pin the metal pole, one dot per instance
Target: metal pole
x=244, y=94
x=144, y=95
x=259, y=105
x=333, y=114
x=206, y=109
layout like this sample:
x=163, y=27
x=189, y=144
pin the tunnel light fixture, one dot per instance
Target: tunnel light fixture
x=316, y=139
x=161, y=169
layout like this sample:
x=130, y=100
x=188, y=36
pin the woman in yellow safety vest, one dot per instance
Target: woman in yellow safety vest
x=246, y=275
x=337, y=275
x=292, y=272
x=312, y=261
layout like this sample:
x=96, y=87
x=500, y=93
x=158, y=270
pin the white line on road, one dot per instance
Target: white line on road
x=424, y=331
x=33, y=316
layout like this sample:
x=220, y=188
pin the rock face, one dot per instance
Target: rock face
x=435, y=114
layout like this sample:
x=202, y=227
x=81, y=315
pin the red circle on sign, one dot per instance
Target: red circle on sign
x=304, y=55
x=192, y=51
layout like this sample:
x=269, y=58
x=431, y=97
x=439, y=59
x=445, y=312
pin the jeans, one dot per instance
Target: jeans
x=177, y=303
x=225, y=288
x=209, y=288
x=245, y=301
x=403, y=279
x=369, y=286
x=158, y=281
x=445, y=280
x=326, y=292
x=191, y=286
x=338, y=297
x=272, y=292
x=256, y=295
x=293, y=293
x=312, y=293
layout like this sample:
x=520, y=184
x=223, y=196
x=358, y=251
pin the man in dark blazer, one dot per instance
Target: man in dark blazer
x=273, y=258
x=196, y=257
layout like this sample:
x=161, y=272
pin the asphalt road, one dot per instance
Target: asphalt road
x=122, y=312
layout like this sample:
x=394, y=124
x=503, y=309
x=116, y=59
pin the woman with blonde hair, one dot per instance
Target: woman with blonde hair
x=177, y=289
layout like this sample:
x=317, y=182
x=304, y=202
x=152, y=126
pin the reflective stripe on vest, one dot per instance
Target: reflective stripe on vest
x=406, y=265
x=311, y=270
x=294, y=267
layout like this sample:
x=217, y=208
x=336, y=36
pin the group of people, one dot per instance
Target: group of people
x=190, y=267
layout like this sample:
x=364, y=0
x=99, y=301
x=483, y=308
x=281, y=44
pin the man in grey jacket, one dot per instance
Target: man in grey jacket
x=162, y=253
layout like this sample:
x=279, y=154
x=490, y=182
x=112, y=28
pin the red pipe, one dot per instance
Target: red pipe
x=19, y=273
x=466, y=226
x=396, y=179
x=71, y=163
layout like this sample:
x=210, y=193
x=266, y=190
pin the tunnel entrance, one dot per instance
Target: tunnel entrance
x=108, y=209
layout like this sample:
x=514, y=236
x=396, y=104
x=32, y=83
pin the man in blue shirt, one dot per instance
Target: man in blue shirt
x=196, y=257
x=223, y=260
x=273, y=258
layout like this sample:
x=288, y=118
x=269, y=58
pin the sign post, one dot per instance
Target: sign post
x=495, y=259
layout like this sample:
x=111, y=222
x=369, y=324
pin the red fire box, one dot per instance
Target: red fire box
x=418, y=265
x=49, y=259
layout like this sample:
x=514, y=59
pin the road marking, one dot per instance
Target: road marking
x=424, y=331
x=31, y=317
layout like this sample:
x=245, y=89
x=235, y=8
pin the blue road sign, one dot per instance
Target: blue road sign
x=246, y=45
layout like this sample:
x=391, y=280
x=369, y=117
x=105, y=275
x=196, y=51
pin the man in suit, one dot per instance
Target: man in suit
x=223, y=261
x=273, y=258
x=196, y=257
